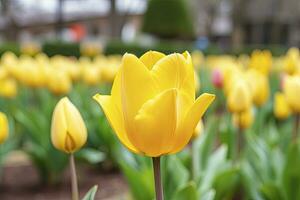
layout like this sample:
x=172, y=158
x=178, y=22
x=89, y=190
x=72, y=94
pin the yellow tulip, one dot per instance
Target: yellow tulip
x=239, y=97
x=3, y=127
x=59, y=82
x=259, y=85
x=261, y=61
x=152, y=106
x=68, y=131
x=244, y=119
x=281, y=107
x=8, y=88
x=291, y=89
x=91, y=75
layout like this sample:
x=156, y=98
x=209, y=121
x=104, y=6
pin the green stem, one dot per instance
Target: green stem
x=157, y=178
x=240, y=138
x=75, y=194
x=296, y=128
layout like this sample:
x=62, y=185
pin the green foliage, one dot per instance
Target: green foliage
x=168, y=19
x=61, y=48
x=118, y=47
x=90, y=195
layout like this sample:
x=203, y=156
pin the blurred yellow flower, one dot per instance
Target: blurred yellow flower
x=68, y=131
x=244, y=119
x=152, y=105
x=239, y=97
x=281, y=107
x=291, y=89
x=8, y=88
x=3, y=127
x=59, y=82
x=259, y=85
x=291, y=61
x=261, y=61
x=30, y=48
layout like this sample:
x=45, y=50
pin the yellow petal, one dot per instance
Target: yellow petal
x=137, y=86
x=58, y=127
x=151, y=57
x=174, y=71
x=68, y=131
x=75, y=125
x=186, y=129
x=115, y=119
x=3, y=127
x=155, y=124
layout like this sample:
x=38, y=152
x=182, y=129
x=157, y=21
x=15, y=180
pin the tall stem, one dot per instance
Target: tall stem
x=157, y=178
x=296, y=127
x=75, y=194
x=240, y=137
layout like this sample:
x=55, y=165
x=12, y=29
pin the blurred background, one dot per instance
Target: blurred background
x=210, y=25
x=55, y=48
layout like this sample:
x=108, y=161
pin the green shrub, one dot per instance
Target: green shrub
x=168, y=19
x=118, y=47
x=61, y=48
x=12, y=47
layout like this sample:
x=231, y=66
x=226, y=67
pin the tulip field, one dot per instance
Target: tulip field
x=183, y=126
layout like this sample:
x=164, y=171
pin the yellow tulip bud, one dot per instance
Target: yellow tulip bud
x=3, y=127
x=244, y=119
x=68, y=131
x=259, y=87
x=281, y=107
x=291, y=89
x=91, y=75
x=239, y=97
x=152, y=106
x=8, y=88
x=59, y=83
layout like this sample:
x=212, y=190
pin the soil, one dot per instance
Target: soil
x=21, y=183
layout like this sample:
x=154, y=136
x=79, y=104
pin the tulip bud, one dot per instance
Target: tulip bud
x=3, y=127
x=259, y=87
x=59, y=83
x=291, y=90
x=8, y=88
x=239, y=98
x=217, y=78
x=281, y=107
x=244, y=119
x=68, y=131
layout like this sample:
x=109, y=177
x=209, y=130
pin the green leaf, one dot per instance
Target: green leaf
x=226, y=183
x=90, y=195
x=90, y=155
x=188, y=192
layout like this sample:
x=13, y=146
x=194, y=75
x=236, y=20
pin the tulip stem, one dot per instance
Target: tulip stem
x=296, y=128
x=157, y=178
x=75, y=194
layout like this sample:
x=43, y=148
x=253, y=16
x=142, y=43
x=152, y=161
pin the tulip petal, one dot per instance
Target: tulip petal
x=115, y=119
x=151, y=57
x=137, y=86
x=193, y=116
x=76, y=130
x=155, y=124
x=116, y=90
x=174, y=71
x=59, y=127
